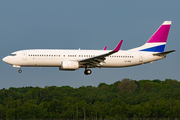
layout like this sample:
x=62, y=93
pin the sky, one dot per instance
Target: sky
x=65, y=24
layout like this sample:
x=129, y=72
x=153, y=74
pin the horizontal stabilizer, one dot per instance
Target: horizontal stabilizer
x=164, y=53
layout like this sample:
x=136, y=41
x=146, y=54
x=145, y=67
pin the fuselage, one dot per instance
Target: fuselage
x=54, y=58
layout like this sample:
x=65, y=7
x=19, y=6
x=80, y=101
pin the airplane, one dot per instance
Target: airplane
x=70, y=60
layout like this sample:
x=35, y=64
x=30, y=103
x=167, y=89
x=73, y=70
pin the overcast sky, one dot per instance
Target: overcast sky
x=94, y=24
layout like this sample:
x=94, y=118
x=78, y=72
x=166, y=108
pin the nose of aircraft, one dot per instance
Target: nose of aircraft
x=5, y=59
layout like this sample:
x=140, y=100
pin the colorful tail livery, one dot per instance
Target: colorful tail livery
x=157, y=41
x=69, y=60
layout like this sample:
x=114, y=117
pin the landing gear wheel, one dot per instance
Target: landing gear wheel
x=20, y=71
x=87, y=72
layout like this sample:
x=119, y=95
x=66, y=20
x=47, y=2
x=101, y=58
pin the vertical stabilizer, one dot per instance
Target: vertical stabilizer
x=157, y=41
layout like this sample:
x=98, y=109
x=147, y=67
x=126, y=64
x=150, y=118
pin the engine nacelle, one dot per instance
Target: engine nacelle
x=69, y=65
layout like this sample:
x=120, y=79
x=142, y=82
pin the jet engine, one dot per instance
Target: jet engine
x=69, y=65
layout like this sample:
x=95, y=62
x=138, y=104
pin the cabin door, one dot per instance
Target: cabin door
x=140, y=57
x=24, y=55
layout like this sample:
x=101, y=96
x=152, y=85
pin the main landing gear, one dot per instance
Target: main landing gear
x=87, y=71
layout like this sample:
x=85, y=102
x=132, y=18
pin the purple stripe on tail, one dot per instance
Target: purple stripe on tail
x=160, y=35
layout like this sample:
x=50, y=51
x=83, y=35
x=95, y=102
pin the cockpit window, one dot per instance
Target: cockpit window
x=12, y=55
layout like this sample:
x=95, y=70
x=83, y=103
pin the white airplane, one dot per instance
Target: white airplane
x=69, y=60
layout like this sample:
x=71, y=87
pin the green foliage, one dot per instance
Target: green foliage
x=102, y=84
x=127, y=85
x=147, y=86
x=123, y=99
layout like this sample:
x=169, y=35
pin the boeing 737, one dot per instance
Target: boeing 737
x=69, y=60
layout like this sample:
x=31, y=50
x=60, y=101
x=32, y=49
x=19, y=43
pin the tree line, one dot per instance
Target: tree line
x=123, y=99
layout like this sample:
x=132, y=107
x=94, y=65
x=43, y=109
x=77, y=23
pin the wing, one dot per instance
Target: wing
x=95, y=61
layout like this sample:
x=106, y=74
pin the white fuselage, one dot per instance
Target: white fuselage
x=54, y=58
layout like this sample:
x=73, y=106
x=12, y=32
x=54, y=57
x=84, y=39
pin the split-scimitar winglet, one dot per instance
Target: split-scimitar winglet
x=117, y=48
x=105, y=48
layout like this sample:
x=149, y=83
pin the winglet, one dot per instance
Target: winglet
x=118, y=47
x=105, y=48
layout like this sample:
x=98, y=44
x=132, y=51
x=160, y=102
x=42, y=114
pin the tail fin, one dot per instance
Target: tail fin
x=157, y=41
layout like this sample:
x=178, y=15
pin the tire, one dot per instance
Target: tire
x=20, y=71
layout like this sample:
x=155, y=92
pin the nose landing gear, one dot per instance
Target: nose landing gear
x=17, y=66
x=20, y=71
x=87, y=71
